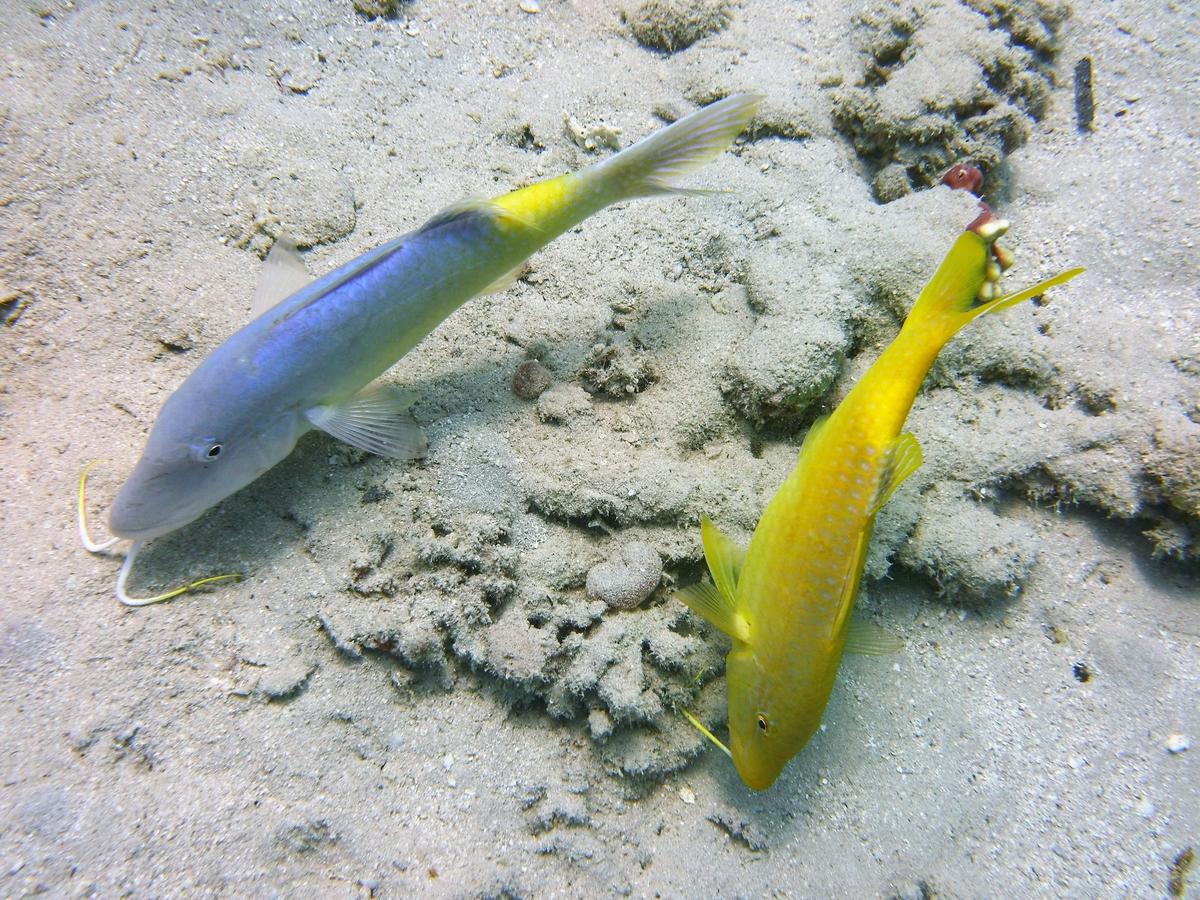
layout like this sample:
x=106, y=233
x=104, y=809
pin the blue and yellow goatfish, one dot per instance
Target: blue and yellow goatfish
x=786, y=600
x=310, y=358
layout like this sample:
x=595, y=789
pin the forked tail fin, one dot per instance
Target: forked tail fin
x=654, y=164
x=965, y=284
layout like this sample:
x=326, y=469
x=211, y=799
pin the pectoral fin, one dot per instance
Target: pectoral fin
x=706, y=601
x=725, y=558
x=869, y=639
x=282, y=274
x=717, y=602
x=505, y=281
x=814, y=431
x=376, y=419
x=903, y=458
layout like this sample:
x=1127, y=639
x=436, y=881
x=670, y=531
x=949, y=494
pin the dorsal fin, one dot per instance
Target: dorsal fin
x=460, y=209
x=282, y=274
x=488, y=208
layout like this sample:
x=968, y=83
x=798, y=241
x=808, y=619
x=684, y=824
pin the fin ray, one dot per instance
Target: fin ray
x=376, y=419
x=699, y=726
x=868, y=639
x=283, y=273
x=707, y=601
x=904, y=458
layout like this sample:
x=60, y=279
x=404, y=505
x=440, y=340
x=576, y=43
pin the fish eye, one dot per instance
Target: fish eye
x=763, y=725
x=207, y=451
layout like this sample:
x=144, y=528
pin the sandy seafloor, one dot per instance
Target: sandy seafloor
x=410, y=693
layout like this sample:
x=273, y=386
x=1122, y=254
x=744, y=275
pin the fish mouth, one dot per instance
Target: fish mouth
x=758, y=780
x=129, y=519
x=122, y=525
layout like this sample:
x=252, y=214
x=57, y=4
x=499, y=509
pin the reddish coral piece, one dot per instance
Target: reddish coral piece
x=985, y=217
x=964, y=177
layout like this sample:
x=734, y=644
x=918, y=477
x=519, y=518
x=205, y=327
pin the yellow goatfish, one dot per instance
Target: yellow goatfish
x=787, y=599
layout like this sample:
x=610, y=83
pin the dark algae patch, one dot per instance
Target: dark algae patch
x=943, y=84
x=671, y=25
x=1181, y=865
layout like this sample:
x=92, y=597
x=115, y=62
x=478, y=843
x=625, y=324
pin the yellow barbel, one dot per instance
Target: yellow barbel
x=787, y=599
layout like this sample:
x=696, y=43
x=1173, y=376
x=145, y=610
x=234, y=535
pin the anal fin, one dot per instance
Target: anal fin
x=505, y=281
x=869, y=639
x=903, y=458
x=376, y=419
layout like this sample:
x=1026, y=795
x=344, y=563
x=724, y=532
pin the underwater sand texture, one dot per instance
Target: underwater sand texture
x=414, y=691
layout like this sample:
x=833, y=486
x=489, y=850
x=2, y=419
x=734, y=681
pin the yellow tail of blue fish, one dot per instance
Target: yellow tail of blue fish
x=648, y=168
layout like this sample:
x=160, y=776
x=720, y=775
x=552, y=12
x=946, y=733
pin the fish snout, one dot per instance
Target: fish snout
x=137, y=512
x=757, y=771
x=127, y=518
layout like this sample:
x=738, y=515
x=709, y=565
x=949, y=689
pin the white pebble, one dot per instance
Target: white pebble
x=448, y=761
x=1177, y=743
x=1145, y=808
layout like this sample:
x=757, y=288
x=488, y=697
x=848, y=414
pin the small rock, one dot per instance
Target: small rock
x=891, y=183
x=376, y=8
x=616, y=371
x=531, y=380
x=592, y=137
x=285, y=679
x=305, y=837
x=626, y=582
x=671, y=25
x=740, y=830
x=1177, y=743
x=600, y=724
x=563, y=404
